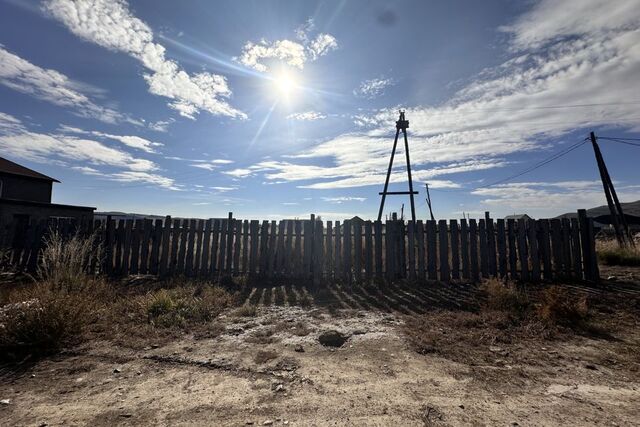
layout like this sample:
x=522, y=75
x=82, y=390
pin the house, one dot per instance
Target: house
x=517, y=217
x=25, y=197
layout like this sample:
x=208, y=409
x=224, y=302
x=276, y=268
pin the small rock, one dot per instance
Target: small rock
x=461, y=406
x=117, y=370
x=359, y=332
x=279, y=387
x=5, y=401
x=592, y=367
x=126, y=415
x=285, y=422
x=43, y=424
x=249, y=423
x=267, y=423
x=298, y=348
x=494, y=349
x=332, y=339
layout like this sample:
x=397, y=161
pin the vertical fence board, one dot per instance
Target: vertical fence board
x=491, y=247
x=119, y=245
x=455, y=250
x=420, y=243
x=411, y=250
x=230, y=238
x=443, y=240
x=328, y=245
x=222, y=245
x=182, y=250
x=377, y=229
x=575, y=249
x=501, y=244
x=191, y=239
x=431, y=250
x=298, y=249
x=126, y=251
x=206, y=247
x=144, y=246
x=237, y=248
x=166, y=240
x=533, y=232
x=513, y=259
x=368, y=256
x=271, y=249
x=245, y=246
x=522, y=250
x=318, y=252
x=155, y=246
x=262, y=250
x=556, y=246
x=337, y=251
x=254, y=228
x=175, y=240
x=473, y=249
x=464, y=249
x=346, y=248
x=280, y=259
x=586, y=235
x=545, y=249
x=215, y=247
x=566, y=247
x=199, y=243
x=357, y=250
x=484, y=248
x=136, y=233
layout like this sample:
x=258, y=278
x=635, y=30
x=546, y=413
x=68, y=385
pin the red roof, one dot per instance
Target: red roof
x=11, y=168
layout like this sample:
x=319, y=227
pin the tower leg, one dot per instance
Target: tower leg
x=386, y=182
x=406, y=150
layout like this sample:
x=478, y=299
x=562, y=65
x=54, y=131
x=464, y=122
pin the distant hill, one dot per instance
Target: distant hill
x=631, y=208
x=124, y=215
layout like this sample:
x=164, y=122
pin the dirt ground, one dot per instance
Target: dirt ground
x=270, y=369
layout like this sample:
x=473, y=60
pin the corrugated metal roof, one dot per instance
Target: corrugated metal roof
x=9, y=167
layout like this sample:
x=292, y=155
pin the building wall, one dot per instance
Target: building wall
x=9, y=211
x=24, y=188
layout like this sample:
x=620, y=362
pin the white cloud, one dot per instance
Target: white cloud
x=16, y=140
x=373, y=88
x=110, y=24
x=307, y=116
x=128, y=140
x=161, y=125
x=240, y=173
x=546, y=198
x=223, y=189
x=210, y=164
x=290, y=52
x=51, y=86
x=340, y=200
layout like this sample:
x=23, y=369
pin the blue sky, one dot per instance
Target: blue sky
x=280, y=109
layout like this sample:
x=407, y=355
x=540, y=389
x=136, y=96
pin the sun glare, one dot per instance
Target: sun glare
x=285, y=85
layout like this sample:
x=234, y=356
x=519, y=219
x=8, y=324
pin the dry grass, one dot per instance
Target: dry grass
x=53, y=312
x=610, y=253
x=508, y=315
x=247, y=310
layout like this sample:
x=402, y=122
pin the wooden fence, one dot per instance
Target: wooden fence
x=349, y=251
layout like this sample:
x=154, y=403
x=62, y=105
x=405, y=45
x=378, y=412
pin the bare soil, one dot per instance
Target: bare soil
x=270, y=368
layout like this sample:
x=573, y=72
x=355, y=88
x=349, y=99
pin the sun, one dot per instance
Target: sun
x=285, y=85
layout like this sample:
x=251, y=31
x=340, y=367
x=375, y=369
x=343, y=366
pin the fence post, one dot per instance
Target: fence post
x=589, y=261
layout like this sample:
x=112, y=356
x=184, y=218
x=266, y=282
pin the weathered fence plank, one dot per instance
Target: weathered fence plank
x=473, y=249
x=522, y=249
x=431, y=250
x=357, y=251
x=464, y=249
x=368, y=257
x=501, y=244
x=421, y=254
x=443, y=240
x=377, y=229
x=455, y=250
x=545, y=249
x=484, y=248
x=513, y=258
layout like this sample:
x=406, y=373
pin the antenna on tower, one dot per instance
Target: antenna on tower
x=401, y=125
x=426, y=184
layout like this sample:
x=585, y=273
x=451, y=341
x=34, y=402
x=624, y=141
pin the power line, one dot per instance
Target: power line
x=620, y=141
x=525, y=171
x=618, y=137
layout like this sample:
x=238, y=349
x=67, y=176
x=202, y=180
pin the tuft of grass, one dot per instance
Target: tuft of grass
x=558, y=307
x=247, y=310
x=180, y=307
x=610, y=253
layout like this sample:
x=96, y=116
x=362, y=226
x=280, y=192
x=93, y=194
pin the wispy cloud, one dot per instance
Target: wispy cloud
x=294, y=53
x=110, y=24
x=78, y=152
x=54, y=87
x=307, y=116
x=373, y=88
x=342, y=199
x=132, y=141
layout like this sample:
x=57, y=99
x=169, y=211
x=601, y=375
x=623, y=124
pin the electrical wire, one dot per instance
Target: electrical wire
x=620, y=141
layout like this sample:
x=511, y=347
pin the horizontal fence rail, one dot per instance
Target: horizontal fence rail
x=348, y=251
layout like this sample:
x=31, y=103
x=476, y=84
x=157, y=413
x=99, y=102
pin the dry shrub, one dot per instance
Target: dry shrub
x=558, y=307
x=505, y=297
x=247, y=310
x=181, y=307
x=610, y=253
x=53, y=312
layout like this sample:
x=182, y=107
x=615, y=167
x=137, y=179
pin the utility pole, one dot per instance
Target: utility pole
x=401, y=125
x=426, y=184
x=617, y=216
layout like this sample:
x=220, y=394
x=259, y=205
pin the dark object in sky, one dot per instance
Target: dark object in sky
x=387, y=18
